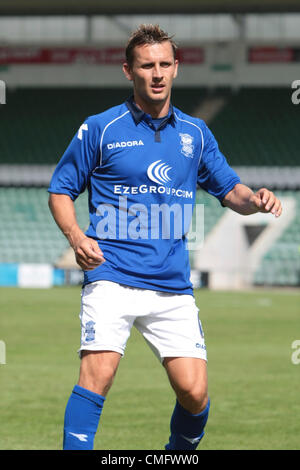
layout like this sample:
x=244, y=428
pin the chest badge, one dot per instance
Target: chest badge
x=187, y=147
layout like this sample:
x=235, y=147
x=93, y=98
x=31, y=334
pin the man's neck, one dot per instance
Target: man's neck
x=156, y=110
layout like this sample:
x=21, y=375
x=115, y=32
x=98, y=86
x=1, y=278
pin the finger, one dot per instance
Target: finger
x=274, y=206
x=89, y=268
x=266, y=201
x=278, y=210
x=257, y=201
x=263, y=195
x=87, y=265
x=89, y=252
x=270, y=202
x=95, y=247
x=89, y=261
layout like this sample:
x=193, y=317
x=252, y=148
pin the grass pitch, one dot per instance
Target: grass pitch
x=253, y=383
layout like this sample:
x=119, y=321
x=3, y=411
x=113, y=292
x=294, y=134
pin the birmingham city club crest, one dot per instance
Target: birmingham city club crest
x=90, y=331
x=187, y=147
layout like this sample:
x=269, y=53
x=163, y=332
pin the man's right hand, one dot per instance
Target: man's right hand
x=88, y=254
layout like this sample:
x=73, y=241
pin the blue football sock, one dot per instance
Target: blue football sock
x=187, y=429
x=82, y=416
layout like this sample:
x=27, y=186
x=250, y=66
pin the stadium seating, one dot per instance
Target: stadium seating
x=260, y=127
x=28, y=233
x=281, y=263
x=256, y=129
x=212, y=211
x=256, y=126
x=45, y=119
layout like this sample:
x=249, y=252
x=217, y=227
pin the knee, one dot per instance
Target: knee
x=188, y=378
x=193, y=398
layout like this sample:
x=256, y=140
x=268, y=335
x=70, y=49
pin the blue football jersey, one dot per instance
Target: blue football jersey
x=141, y=175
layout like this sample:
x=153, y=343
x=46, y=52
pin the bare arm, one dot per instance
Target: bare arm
x=87, y=252
x=243, y=200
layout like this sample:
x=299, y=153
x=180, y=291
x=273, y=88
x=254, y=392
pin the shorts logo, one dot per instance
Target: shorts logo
x=187, y=147
x=90, y=331
x=158, y=172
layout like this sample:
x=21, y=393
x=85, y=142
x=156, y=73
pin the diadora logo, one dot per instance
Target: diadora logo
x=80, y=437
x=187, y=147
x=158, y=172
x=128, y=143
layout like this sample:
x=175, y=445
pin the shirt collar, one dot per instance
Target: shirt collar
x=138, y=114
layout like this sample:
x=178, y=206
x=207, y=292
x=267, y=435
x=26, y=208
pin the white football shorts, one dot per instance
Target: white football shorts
x=168, y=322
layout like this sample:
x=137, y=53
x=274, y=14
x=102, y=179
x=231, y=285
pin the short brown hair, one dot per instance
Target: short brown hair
x=147, y=34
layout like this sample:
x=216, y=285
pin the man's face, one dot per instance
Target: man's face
x=152, y=73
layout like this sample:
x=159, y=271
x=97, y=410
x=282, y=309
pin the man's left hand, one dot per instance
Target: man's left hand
x=266, y=201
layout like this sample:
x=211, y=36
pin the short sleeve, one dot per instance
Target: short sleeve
x=73, y=171
x=214, y=174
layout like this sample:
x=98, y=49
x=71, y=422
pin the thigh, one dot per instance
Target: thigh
x=97, y=370
x=173, y=328
x=106, y=317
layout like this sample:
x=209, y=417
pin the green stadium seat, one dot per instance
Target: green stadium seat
x=28, y=232
x=281, y=263
x=259, y=126
x=46, y=119
x=256, y=127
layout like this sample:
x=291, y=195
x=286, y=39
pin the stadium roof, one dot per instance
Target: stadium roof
x=117, y=7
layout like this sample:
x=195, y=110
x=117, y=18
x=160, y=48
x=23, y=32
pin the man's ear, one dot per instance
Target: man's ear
x=127, y=71
x=176, y=68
